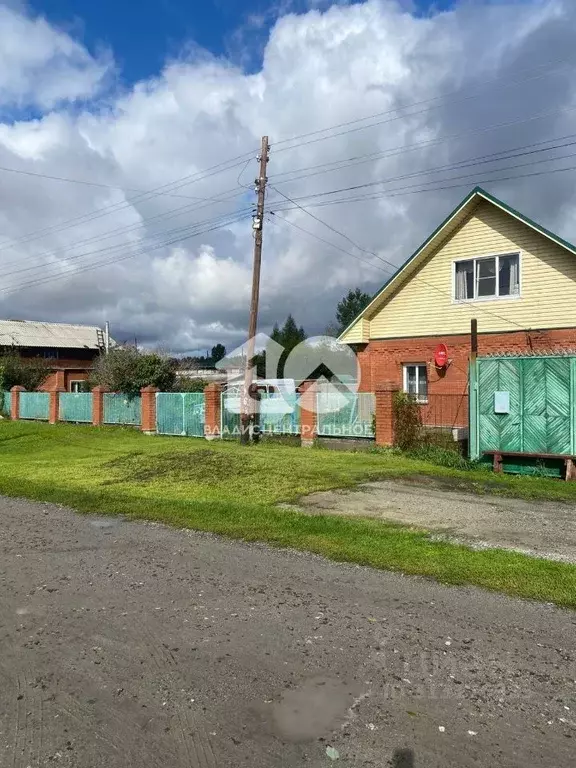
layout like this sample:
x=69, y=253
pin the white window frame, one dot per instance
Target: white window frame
x=474, y=259
x=75, y=381
x=405, y=366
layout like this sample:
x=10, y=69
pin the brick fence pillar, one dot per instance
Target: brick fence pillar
x=98, y=406
x=15, y=402
x=148, y=418
x=385, y=413
x=60, y=382
x=54, y=405
x=212, y=401
x=308, y=415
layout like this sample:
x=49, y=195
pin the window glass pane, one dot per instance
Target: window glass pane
x=411, y=385
x=486, y=267
x=508, y=276
x=464, y=288
x=486, y=277
x=487, y=286
x=422, y=383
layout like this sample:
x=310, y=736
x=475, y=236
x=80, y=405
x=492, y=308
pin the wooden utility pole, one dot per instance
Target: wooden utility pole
x=473, y=339
x=258, y=223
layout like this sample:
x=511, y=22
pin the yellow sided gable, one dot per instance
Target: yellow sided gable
x=357, y=333
x=424, y=305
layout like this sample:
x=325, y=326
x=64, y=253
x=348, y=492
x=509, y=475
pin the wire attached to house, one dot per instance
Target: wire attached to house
x=396, y=268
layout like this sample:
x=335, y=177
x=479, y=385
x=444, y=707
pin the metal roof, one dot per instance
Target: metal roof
x=28, y=333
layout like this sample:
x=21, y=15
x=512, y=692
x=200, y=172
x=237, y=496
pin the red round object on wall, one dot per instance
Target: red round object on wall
x=441, y=356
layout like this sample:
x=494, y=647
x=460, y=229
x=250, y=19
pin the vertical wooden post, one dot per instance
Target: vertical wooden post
x=258, y=225
x=15, y=402
x=473, y=436
x=473, y=339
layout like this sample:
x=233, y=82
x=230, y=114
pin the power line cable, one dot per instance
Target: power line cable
x=111, y=248
x=396, y=268
x=435, y=170
x=493, y=157
x=125, y=229
x=317, y=138
x=115, y=207
x=15, y=289
x=400, y=150
x=398, y=193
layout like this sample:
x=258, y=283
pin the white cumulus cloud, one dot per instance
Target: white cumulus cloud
x=482, y=78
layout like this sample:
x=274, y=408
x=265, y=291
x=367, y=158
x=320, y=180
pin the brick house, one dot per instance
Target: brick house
x=485, y=261
x=69, y=350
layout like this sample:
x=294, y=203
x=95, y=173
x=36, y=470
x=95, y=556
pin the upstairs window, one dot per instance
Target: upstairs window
x=495, y=277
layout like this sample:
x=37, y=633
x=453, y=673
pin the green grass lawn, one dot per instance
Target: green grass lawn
x=221, y=487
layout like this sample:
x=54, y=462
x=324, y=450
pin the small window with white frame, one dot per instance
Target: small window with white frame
x=416, y=381
x=77, y=385
x=488, y=277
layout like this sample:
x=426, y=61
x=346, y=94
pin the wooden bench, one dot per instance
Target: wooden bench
x=569, y=461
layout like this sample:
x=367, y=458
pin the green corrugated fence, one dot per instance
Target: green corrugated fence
x=5, y=400
x=230, y=415
x=76, y=406
x=279, y=414
x=180, y=413
x=34, y=405
x=120, y=409
x=345, y=414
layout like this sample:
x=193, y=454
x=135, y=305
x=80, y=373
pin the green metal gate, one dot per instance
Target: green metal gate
x=523, y=404
x=180, y=413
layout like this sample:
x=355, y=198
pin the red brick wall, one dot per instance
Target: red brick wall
x=381, y=362
x=62, y=379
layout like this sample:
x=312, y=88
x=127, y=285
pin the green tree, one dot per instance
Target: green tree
x=186, y=384
x=218, y=353
x=350, y=307
x=288, y=336
x=125, y=369
x=29, y=373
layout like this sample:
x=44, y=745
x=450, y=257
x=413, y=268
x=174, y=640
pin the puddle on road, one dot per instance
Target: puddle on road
x=314, y=709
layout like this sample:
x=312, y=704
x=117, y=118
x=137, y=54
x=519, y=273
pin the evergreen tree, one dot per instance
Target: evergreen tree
x=350, y=307
x=218, y=353
x=288, y=336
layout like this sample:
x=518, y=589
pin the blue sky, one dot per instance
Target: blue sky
x=142, y=33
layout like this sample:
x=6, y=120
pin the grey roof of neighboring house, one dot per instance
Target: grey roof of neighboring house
x=28, y=333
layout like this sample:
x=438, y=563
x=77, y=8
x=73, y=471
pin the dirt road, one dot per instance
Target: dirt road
x=541, y=528
x=131, y=645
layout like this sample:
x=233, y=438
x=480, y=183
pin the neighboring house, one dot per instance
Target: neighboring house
x=69, y=350
x=203, y=373
x=485, y=261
